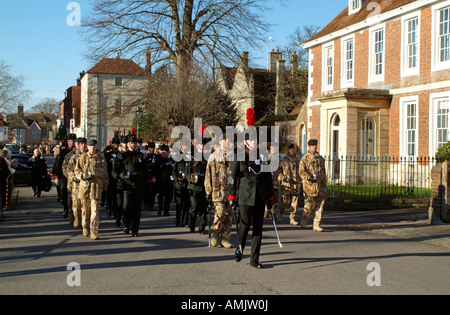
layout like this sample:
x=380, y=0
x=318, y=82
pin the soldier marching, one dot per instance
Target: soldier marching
x=131, y=178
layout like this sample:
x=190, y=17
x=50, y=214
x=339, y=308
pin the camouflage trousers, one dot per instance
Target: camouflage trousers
x=288, y=198
x=314, y=205
x=90, y=215
x=223, y=220
x=76, y=209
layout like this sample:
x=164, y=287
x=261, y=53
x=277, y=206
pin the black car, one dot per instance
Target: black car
x=22, y=176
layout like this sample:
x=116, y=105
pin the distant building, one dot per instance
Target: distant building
x=110, y=94
x=264, y=90
x=32, y=128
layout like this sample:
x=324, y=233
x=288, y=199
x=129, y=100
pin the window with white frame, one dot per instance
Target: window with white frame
x=441, y=38
x=377, y=56
x=348, y=62
x=444, y=35
x=328, y=67
x=34, y=134
x=354, y=6
x=411, y=38
x=409, y=126
x=439, y=120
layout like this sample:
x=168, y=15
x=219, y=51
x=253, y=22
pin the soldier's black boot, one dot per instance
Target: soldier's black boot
x=238, y=255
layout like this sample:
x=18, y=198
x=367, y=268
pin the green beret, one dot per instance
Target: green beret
x=80, y=140
x=91, y=142
x=312, y=142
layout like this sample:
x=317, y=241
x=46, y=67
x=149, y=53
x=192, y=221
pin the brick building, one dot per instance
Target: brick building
x=379, y=80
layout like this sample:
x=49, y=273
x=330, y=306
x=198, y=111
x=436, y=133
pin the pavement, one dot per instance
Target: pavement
x=37, y=245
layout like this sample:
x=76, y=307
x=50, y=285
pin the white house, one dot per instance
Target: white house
x=110, y=93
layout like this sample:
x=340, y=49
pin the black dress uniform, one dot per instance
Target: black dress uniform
x=117, y=168
x=180, y=173
x=58, y=173
x=196, y=188
x=165, y=181
x=254, y=189
x=133, y=174
x=111, y=192
x=152, y=161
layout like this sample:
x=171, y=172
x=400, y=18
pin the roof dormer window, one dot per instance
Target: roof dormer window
x=354, y=6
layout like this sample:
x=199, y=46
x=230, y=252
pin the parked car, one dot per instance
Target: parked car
x=22, y=176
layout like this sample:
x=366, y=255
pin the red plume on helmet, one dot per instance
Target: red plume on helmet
x=250, y=117
x=133, y=131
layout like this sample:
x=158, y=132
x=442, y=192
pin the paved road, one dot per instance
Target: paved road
x=36, y=246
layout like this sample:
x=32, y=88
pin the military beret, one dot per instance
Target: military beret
x=291, y=146
x=139, y=140
x=91, y=142
x=312, y=142
x=150, y=145
x=72, y=136
x=80, y=140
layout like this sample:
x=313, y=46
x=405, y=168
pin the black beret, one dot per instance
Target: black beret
x=312, y=142
x=80, y=140
x=72, y=136
x=91, y=142
x=291, y=146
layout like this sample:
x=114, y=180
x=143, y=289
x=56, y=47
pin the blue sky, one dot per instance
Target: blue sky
x=39, y=44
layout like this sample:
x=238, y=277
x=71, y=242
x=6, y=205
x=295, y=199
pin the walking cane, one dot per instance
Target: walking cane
x=237, y=220
x=276, y=230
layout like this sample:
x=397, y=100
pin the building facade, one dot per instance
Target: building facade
x=379, y=80
x=110, y=93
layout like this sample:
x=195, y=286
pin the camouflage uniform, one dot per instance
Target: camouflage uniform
x=289, y=181
x=314, y=189
x=72, y=187
x=90, y=189
x=216, y=185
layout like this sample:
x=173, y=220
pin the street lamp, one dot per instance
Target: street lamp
x=138, y=113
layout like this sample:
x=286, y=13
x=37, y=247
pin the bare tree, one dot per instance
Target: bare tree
x=301, y=35
x=181, y=32
x=47, y=106
x=12, y=89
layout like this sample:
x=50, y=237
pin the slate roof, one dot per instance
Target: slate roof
x=344, y=20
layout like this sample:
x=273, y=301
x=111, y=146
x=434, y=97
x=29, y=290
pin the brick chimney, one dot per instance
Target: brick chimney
x=273, y=57
x=280, y=72
x=20, y=110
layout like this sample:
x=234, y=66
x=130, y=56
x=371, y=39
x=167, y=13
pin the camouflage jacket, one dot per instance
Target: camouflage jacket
x=93, y=166
x=310, y=165
x=216, y=177
x=288, y=175
x=68, y=168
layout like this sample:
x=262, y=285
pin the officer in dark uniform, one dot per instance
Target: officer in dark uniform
x=152, y=160
x=196, y=188
x=255, y=190
x=165, y=180
x=134, y=175
x=111, y=193
x=116, y=168
x=180, y=174
x=60, y=179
